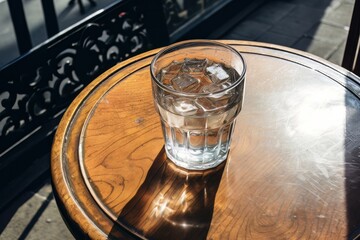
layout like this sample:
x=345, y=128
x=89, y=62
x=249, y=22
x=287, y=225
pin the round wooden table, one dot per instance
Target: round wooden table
x=293, y=171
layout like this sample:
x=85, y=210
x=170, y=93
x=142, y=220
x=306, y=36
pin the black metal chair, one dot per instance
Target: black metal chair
x=351, y=60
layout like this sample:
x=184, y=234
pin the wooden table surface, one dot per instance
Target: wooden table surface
x=293, y=171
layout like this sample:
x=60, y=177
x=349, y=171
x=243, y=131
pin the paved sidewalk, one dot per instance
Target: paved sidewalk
x=319, y=27
x=34, y=216
x=316, y=26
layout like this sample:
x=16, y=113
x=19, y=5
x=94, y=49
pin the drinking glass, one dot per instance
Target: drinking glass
x=198, y=90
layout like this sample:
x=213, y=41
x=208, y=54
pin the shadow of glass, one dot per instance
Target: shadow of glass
x=172, y=203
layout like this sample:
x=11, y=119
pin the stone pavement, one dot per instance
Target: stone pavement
x=316, y=26
x=34, y=216
x=319, y=27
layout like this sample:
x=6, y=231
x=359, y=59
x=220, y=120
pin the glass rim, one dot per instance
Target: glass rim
x=190, y=43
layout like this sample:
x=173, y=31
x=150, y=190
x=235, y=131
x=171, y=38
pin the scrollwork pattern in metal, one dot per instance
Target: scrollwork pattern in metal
x=38, y=87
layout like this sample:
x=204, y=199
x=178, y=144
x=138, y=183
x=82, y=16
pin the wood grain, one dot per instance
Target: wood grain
x=292, y=173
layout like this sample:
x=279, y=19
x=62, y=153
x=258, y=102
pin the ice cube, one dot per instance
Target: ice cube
x=215, y=87
x=205, y=104
x=168, y=73
x=211, y=88
x=185, y=107
x=174, y=66
x=220, y=99
x=194, y=65
x=167, y=101
x=208, y=104
x=164, y=77
x=217, y=73
x=202, y=78
x=185, y=83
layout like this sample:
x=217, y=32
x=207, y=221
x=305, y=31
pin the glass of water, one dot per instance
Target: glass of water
x=198, y=89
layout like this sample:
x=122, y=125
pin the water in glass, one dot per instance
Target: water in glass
x=197, y=129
